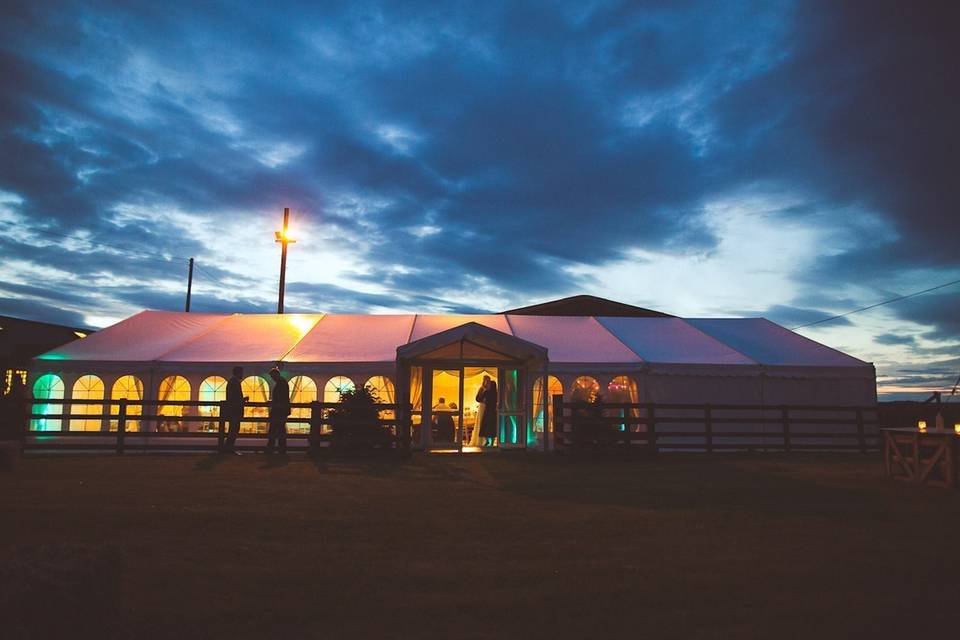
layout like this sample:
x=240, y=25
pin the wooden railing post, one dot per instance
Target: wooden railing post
x=221, y=424
x=557, y=426
x=708, y=426
x=861, y=437
x=316, y=419
x=785, y=426
x=652, y=428
x=407, y=426
x=65, y=415
x=121, y=424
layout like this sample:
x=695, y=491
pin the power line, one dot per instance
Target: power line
x=211, y=276
x=879, y=304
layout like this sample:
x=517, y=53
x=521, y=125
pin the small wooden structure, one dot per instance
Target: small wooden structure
x=922, y=457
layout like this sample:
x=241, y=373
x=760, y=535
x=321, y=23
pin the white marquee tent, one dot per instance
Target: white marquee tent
x=662, y=359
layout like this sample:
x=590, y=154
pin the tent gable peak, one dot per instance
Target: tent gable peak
x=476, y=335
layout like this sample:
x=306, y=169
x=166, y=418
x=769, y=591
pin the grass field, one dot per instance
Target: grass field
x=504, y=546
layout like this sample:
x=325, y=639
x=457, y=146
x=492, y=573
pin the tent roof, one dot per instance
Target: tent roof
x=177, y=337
x=769, y=343
x=489, y=341
x=672, y=340
x=584, y=305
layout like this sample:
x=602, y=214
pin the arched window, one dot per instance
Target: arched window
x=131, y=388
x=173, y=389
x=47, y=387
x=585, y=389
x=335, y=386
x=543, y=406
x=623, y=389
x=212, y=389
x=382, y=387
x=88, y=387
x=255, y=389
x=302, y=389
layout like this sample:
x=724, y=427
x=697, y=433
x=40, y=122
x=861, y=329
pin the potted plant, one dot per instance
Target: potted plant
x=355, y=422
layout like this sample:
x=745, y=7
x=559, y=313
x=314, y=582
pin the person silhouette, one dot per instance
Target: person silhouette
x=444, y=426
x=487, y=396
x=233, y=410
x=279, y=410
x=481, y=411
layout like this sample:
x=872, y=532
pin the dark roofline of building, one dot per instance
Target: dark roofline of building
x=47, y=324
x=585, y=305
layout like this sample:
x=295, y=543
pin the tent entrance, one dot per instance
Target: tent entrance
x=441, y=374
x=454, y=415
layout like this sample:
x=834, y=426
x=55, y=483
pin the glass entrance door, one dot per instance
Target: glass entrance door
x=472, y=413
x=455, y=416
x=513, y=432
x=445, y=412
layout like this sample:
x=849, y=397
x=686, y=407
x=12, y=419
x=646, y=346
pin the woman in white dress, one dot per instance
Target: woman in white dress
x=481, y=409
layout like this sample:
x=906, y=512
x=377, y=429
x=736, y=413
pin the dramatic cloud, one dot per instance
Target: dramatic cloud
x=792, y=160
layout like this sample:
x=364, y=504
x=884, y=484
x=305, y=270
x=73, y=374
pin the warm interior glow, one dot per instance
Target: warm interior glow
x=173, y=389
x=472, y=380
x=302, y=390
x=956, y=428
x=255, y=389
x=585, y=389
x=541, y=416
x=88, y=387
x=212, y=389
x=131, y=388
x=80, y=334
x=335, y=386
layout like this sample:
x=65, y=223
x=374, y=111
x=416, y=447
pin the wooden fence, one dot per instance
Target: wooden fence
x=653, y=427
x=169, y=425
x=634, y=427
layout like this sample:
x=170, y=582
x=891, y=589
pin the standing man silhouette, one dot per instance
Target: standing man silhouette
x=279, y=410
x=233, y=410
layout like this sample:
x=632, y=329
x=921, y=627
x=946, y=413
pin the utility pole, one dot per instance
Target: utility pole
x=189, y=285
x=284, y=239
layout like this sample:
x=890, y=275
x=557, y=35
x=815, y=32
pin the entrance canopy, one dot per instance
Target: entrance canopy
x=473, y=341
x=305, y=339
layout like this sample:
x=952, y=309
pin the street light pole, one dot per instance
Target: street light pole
x=284, y=239
x=189, y=285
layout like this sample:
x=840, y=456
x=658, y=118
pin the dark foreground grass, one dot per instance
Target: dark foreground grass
x=504, y=546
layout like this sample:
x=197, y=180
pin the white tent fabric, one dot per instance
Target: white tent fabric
x=245, y=338
x=353, y=338
x=573, y=340
x=428, y=325
x=143, y=337
x=672, y=340
x=720, y=345
x=771, y=344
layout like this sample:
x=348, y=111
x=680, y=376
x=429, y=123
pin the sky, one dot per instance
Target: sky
x=707, y=159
